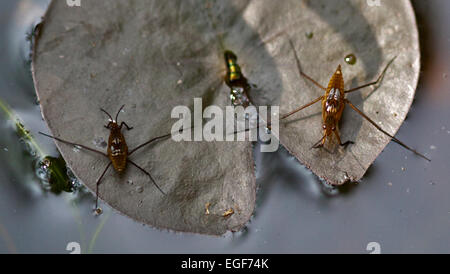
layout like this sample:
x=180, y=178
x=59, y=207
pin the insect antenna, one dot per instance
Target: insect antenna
x=75, y=144
x=120, y=109
x=380, y=129
x=143, y=170
x=107, y=114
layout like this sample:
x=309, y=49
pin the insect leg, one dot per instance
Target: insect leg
x=99, y=182
x=302, y=107
x=269, y=123
x=125, y=124
x=300, y=68
x=380, y=78
x=339, y=139
x=143, y=170
x=74, y=144
x=380, y=129
x=149, y=142
x=320, y=143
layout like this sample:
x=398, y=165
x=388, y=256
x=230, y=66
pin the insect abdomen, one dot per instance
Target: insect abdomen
x=117, y=151
x=233, y=70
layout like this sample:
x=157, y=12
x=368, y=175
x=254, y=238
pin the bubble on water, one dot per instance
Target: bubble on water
x=433, y=147
x=350, y=59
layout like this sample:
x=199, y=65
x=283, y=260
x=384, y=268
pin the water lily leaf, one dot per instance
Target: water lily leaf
x=152, y=56
x=374, y=34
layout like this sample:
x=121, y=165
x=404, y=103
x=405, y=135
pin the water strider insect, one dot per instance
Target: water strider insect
x=117, y=151
x=333, y=103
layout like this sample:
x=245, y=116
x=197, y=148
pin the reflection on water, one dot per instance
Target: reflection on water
x=403, y=210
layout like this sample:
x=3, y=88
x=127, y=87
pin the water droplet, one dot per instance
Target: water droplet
x=309, y=34
x=139, y=189
x=350, y=59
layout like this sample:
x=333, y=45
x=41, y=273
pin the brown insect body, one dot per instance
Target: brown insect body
x=117, y=147
x=333, y=104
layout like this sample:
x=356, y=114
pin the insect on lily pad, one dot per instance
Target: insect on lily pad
x=140, y=50
x=374, y=49
x=117, y=151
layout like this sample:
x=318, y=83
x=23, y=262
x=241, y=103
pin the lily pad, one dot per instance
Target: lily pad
x=374, y=34
x=152, y=56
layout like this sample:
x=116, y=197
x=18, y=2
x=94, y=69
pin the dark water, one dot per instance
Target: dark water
x=402, y=203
